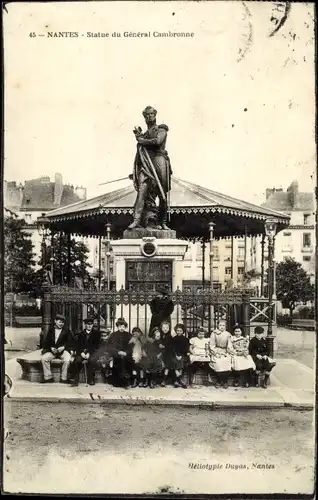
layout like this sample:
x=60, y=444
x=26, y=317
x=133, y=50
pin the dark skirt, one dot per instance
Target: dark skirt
x=151, y=364
x=265, y=365
x=122, y=371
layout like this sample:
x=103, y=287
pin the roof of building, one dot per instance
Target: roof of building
x=38, y=194
x=192, y=207
x=289, y=201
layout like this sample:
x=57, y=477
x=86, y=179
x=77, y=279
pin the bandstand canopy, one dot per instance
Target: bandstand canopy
x=192, y=208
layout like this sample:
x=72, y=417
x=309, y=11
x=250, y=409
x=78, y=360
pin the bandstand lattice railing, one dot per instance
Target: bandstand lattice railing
x=191, y=308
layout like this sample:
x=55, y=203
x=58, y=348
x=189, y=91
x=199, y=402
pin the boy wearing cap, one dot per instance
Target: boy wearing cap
x=57, y=344
x=87, y=342
x=259, y=350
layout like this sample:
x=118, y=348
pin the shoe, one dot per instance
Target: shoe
x=247, y=384
x=64, y=382
x=91, y=382
x=225, y=385
x=217, y=385
x=163, y=384
x=176, y=384
x=74, y=383
x=152, y=384
x=141, y=383
x=134, y=383
x=145, y=383
x=48, y=381
x=183, y=384
x=236, y=383
x=265, y=381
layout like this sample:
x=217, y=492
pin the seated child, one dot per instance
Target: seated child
x=137, y=340
x=259, y=350
x=180, y=350
x=102, y=357
x=221, y=351
x=199, y=354
x=152, y=359
x=242, y=362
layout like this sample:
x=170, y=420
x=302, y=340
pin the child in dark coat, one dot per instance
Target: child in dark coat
x=137, y=342
x=180, y=350
x=152, y=360
x=259, y=350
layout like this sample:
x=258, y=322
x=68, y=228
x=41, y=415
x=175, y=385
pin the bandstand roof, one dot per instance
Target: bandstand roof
x=192, y=208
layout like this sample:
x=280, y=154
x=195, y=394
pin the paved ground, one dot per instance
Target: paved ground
x=99, y=449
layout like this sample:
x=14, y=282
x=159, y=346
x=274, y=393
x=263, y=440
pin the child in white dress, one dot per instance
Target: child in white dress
x=242, y=363
x=221, y=352
x=199, y=354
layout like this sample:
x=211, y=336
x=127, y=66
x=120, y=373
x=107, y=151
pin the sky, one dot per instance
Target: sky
x=239, y=103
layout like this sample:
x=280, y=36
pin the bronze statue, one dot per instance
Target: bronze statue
x=151, y=175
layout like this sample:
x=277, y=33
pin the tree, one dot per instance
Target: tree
x=292, y=284
x=63, y=272
x=18, y=257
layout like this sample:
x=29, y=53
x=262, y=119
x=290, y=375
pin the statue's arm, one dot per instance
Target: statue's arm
x=156, y=141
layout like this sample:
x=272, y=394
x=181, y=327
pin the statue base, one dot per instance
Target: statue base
x=142, y=232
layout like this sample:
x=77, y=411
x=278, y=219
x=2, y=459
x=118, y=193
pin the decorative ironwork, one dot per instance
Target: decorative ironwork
x=193, y=308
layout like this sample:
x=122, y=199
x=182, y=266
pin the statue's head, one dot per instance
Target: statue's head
x=149, y=114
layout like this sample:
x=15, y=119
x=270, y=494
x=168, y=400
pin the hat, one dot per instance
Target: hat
x=202, y=329
x=258, y=329
x=89, y=321
x=121, y=321
x=59, y=316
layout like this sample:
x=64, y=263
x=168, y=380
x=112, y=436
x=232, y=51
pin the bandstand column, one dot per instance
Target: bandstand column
x=262, y=264
x=270, y=229
x=203, y=245
x=69, y=259
x=211, y=231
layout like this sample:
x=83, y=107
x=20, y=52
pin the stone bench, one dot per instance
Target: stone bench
x=33, y=372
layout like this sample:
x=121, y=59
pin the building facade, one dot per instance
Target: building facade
x=37, y=197
x=296, y=241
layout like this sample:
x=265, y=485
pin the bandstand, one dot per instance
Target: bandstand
x=148, y=257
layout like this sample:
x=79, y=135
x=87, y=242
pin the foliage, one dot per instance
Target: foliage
x=292, y=284
x=304, y=312
x=18, y=257
x=78, y=253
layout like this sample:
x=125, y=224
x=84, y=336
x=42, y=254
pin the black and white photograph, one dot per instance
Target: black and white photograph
x=159, y=248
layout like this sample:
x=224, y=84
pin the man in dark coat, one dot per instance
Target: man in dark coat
x=161, y=308
x=120, y=349
x=87, y=342
x=57, y=344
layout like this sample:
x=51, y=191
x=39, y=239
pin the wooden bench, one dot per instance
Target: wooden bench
x=305, y=324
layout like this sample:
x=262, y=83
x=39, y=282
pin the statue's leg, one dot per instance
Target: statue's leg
x=162, y=170
x=139, y=203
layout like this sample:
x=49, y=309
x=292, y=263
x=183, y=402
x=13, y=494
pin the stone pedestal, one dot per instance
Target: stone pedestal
x=129, y=251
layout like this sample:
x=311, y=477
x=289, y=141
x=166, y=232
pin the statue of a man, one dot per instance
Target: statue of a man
x=152, y=174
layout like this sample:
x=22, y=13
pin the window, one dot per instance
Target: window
x=228, y=271
x=240, y=271
x=240, y=253
x=307, y=258
x=306, y=240
x=306, y=219
x=216, y=254
x=215, y=273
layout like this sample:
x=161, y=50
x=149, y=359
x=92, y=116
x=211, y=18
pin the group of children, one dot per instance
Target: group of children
x=151, y=361
x=131, y=359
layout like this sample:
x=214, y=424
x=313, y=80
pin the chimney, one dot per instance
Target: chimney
x=269, y=192
x=292, y=192
x=58, y=190
x=80, y=191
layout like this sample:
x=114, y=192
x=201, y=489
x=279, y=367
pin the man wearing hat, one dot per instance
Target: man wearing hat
x=57, y=344
x=87, y=342
x=120, y=349
x=161, y=308
x=259, y=350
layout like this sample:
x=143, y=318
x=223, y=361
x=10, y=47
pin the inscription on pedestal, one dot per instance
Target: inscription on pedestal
x=147, y=274
x=142, y=232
